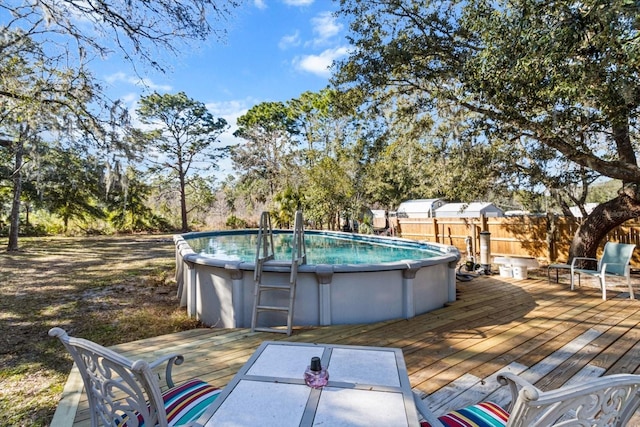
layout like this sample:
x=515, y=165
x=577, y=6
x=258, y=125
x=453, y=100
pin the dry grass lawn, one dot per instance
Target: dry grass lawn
x=109, y=289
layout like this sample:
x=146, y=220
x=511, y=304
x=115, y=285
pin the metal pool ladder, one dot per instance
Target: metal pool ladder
x=265, y=256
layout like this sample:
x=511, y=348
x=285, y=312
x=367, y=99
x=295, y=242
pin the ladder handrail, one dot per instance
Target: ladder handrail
x=298, y=247
x=264, y=245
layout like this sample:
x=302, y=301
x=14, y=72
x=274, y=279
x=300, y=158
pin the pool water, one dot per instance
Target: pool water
x=321, y=249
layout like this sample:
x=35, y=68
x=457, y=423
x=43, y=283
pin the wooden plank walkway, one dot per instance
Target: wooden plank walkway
x=540, y=330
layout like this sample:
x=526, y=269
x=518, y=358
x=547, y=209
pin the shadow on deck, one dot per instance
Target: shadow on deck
x=537, y=329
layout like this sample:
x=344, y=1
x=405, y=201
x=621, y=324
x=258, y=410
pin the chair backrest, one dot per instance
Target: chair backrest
x=616, y=256
x=119, y=390
x=610, y=400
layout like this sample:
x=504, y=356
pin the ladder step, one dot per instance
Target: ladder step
x=271, y=308
x=265, y=329
x=282, y=287
x=277, y=263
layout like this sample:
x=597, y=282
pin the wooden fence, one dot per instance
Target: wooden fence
x=544, y=238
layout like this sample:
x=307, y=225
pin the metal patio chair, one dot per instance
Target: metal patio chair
x=127, y=393
x=605, y=401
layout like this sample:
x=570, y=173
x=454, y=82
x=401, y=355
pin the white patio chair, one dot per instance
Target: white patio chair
x=127, y=393
x=606, y=401
x=614, y=262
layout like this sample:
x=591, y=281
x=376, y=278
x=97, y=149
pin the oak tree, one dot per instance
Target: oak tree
x=554, y=82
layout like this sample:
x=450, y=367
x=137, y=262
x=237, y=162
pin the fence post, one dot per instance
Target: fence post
x=551, y=237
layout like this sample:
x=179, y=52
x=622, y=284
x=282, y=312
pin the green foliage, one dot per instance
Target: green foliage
x=129, y=211
x=266, y=159
x=603, y=191
x=329, y=192
x=286, y=203
x=184, y=129
x=366, y=224
x=234, y=222
x=70, y=185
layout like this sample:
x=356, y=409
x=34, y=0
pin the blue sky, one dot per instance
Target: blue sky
x=274, y=51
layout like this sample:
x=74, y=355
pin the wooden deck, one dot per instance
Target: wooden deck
x=537, y=329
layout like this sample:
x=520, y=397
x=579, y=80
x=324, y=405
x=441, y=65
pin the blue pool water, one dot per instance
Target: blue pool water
x=322, y=248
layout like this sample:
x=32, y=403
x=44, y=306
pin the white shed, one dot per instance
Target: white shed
x=469, y=210
x=419, y=208
x=589, y=207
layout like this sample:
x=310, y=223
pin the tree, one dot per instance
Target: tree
x=127, y=202
x=551, y=81
x=39, y=95
x=71, y=185
x=266, y=158
x=332, y=156
x=138, y=29
x=329, y=193
x=182, y=138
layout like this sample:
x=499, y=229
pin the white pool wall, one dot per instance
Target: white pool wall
x=219, y=293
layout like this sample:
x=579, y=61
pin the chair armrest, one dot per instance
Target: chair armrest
x=580, y=258
x=425, y=412
x=625, y=268
x=518, y=387
x=623, y=389
x=583, y=258
x=170, y=360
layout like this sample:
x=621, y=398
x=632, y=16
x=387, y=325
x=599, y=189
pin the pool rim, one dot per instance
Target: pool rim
x=445, y=253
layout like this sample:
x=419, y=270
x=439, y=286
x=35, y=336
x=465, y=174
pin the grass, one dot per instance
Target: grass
x=107, y=289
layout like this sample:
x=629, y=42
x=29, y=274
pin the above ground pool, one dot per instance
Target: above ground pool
x=348, y=278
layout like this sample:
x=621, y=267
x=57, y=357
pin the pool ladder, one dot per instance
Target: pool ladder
x=265, y=256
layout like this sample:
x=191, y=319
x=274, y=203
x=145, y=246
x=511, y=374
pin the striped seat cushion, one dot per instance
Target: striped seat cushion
x=185, y=403
x=485, y=414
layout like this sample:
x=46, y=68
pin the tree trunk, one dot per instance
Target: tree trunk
x=603, y=219
x=183, y=204
x=14, y=227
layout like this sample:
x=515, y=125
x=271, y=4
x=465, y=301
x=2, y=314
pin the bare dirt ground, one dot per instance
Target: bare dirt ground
x=108, y=289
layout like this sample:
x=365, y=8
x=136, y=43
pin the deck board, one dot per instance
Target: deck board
x=541, y=330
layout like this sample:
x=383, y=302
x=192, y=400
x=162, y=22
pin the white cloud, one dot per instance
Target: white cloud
x=229, y=109
x=260, y=4
x=298, y=2
x=319, y=64
x=325, y=26
x=289, y=41
x=130, y=99
x=121, y=77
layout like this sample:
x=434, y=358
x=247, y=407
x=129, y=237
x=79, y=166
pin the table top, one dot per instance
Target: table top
x=367, y=386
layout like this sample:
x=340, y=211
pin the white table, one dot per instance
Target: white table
x=367, y=386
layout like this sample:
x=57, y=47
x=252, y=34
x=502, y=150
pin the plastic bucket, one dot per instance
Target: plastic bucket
x=520, y=273
x=505, y=271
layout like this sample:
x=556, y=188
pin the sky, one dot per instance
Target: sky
x=274, y=51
